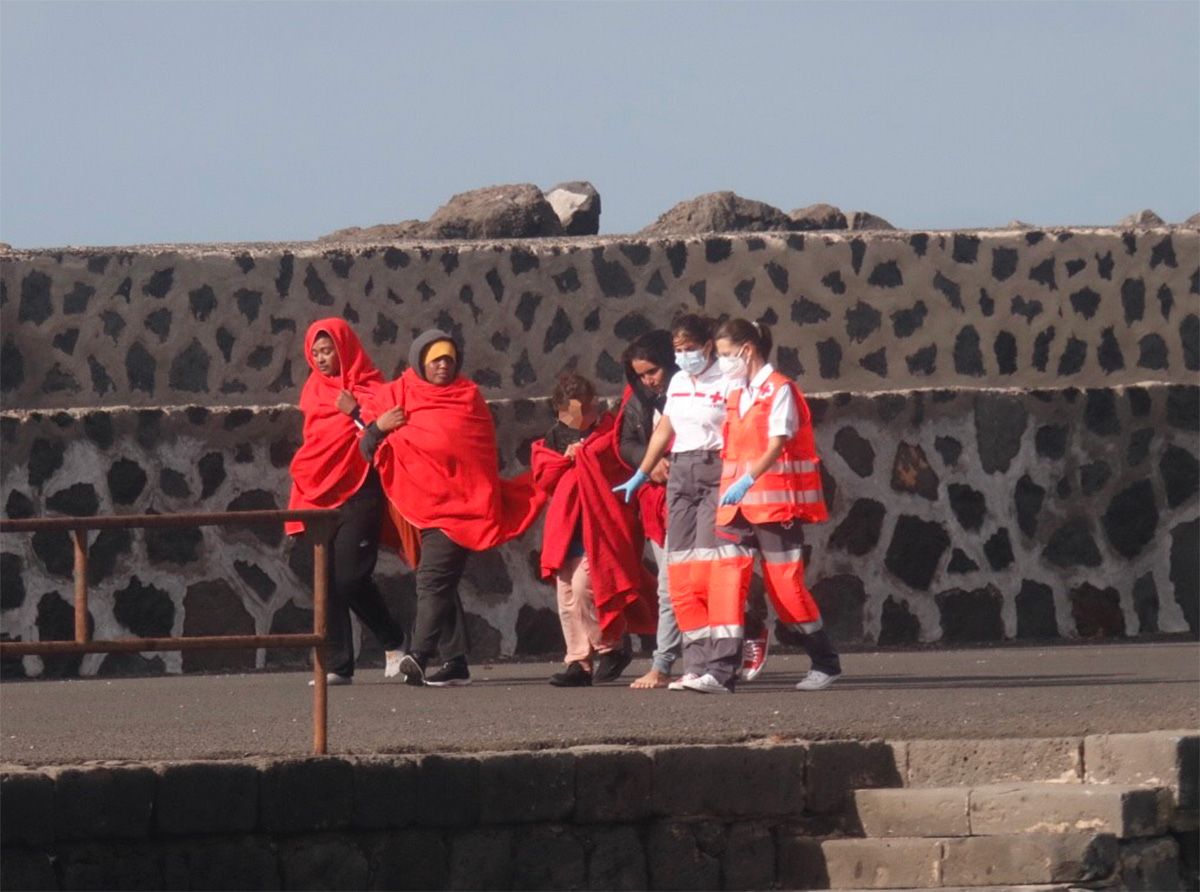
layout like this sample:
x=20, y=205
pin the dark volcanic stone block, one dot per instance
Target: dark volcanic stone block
x=898, y=624
x=684, y=856
x=971, y=615
x=859, y=530
x=206, y=797
x=1036, y=617
x=1185, y=571
x=26, y=809
x=170, y=545
x=548, y=857
x=729, y=781
x=911, y=472
x=481, y=859
x=1093, y=476
x=960, y=563
x=299, y=795
x=841, y=599
x=1180, y=473
x=1097, y=612
x=410, y=859
x=77, y=500
x=214, y=608
x=617, y=860
x=613, y=784
x=1028, y=500
x=45, y=458
x=969, y=505
x=1131, y=519
x=856, y=451
x=146, y=610
x=1100, y=412
x=1072, y=545
x=448, y=790
x=999, y=426
x=1183, y=407
x=240, y=863
x=526, y=787
x=916, y=548
x=538, y=630
x=1145, y=603
x=949, y=449
x=323, y=863
x=998, y=550
x=103, y=802
x=126, y=480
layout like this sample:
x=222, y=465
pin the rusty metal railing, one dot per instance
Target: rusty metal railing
x=319, y=525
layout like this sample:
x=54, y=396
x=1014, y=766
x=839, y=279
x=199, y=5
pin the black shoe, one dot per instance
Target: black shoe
x=451, y=675
x=412, y=670
x=610, y=665
x=574, y=676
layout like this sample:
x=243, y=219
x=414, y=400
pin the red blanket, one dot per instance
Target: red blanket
x=582, y=498
x=440, y=469
x=651, y=497
x=328, y=468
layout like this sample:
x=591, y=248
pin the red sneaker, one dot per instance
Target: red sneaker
x=754, y=655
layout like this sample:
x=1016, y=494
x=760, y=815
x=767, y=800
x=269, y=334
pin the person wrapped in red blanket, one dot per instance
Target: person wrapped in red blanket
x=592, y=542
x=328, y=471
x=433, y=441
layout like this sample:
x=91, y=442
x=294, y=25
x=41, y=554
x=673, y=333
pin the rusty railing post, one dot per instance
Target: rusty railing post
x=80, y=538
x=321, y=532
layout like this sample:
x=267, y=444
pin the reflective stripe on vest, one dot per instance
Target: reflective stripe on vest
x=788, y=490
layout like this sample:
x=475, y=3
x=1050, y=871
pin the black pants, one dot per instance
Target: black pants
x=441, y=623
x=353, y=553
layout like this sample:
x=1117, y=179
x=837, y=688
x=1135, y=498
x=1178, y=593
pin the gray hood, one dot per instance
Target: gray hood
x=424, y=340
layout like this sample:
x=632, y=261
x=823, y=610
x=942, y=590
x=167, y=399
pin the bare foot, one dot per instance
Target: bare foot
x=652, y=679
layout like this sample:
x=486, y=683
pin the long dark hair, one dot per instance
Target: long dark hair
x=655, y=347
x=743, y=331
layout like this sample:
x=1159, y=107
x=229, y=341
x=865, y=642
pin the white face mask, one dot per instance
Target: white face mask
x=691, y=361
x=732, y=366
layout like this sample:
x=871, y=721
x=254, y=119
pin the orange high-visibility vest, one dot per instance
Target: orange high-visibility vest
x=791, y=488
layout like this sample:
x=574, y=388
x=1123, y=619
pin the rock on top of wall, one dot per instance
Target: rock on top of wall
x=383, y=232
x=867, y=220
x=577, y=204
x=514, y=211
x=1144, y=218
x=818, y=216
x=719, y=212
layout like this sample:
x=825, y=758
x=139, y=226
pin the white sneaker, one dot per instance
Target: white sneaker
x=681, y=683
x=706, y=684
x=333, y=680
x=816, y=680
x=392, y=667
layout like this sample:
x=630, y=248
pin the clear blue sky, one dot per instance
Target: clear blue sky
x=126, y=123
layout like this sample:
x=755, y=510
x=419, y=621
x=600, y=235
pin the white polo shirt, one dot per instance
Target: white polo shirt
x=696, y=407
x=784, y=419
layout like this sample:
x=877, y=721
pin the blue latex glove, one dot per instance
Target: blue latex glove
x=630, y=486
x=737, y=490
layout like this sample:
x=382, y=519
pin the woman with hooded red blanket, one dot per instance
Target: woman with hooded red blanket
x=328, y=471
x=433, y=441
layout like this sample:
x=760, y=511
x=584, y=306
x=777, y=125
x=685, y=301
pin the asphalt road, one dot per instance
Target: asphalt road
x=1001, y=692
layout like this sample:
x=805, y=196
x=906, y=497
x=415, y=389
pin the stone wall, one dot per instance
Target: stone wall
x=168, y=326
x=1008, y=420
x=607, y=817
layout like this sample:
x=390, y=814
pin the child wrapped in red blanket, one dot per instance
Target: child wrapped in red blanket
x=592, y=542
